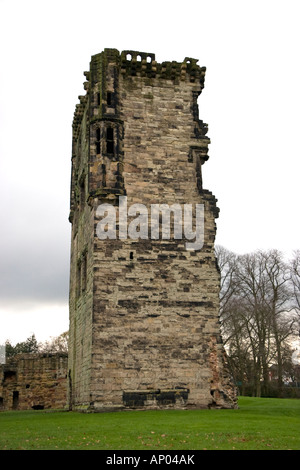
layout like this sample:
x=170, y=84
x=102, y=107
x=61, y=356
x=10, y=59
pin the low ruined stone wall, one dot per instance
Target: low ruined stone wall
x=34, y=381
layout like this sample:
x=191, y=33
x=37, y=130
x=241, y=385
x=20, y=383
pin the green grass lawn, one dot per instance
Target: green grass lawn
x=259, y=423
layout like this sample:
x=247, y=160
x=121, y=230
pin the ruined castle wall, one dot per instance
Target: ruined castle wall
x=34, y=381
x=81, y=273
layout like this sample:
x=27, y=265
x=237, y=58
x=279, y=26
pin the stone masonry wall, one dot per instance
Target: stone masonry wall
x=34, y=381
x=145, y=331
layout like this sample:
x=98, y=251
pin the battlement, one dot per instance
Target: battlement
x=136, y=64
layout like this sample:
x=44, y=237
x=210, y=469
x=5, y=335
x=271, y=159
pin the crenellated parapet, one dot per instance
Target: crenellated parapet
x=143, y=63
x=129, y=63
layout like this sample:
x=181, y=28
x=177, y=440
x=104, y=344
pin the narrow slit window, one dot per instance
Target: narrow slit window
x=82, y=193
x=110, y=140
x=98, y=99
x=103, y=168
x=109, y=98
x=98, y=148
x=15, y=400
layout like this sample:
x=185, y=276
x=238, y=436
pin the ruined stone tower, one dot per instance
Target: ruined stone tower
x=144, y=327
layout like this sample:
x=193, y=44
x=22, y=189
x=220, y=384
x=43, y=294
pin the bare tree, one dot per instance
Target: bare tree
x=255, y=303
x=252, y=282
x=295, y=283
x=58, y=344
x=278, y=303
x=227, y=265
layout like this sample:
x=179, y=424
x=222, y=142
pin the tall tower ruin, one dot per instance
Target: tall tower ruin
x=144, y=311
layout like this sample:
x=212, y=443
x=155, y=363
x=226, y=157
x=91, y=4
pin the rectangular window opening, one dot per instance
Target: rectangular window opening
x=110, y=140
x=98, y=137
x=109, y=98
x=82, y=194
x=103, y=170
x=15, y=400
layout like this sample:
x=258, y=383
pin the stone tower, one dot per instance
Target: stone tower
x=144, y=311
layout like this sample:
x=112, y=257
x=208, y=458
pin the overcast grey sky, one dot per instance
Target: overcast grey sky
x=251, y=103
